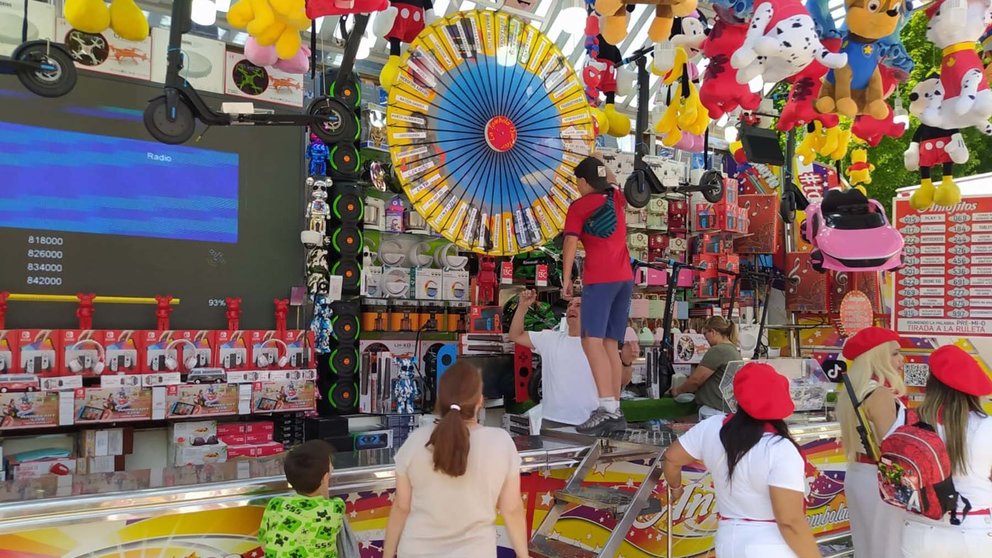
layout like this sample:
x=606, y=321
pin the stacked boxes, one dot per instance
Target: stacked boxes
x=401, y=426
x=249, y=439
x=195, y=443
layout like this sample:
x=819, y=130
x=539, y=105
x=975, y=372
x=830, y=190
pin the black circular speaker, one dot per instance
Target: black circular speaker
x=347, y=240
x=344, y=361
x=343, y=395
x=345, y=159
x=349, y=207
x=350, y=272
x=345, y=328
x=348, y=92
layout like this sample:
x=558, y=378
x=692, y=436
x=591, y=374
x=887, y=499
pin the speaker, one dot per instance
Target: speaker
x=523, y=367
x=338, y=369
x=437, y=358
x=346, y=222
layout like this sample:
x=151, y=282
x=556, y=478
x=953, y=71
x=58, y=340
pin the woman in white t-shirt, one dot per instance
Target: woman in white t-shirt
x=759, y=475
x=450, y=479
x=953, y=404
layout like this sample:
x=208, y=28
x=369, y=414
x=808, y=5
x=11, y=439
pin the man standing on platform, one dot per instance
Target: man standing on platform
x=570, y=392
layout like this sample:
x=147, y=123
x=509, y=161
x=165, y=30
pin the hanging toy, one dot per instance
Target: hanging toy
x=781, y=41
x=266, y=56
x=829, y=143
x=681, y=119
x=859, y=171
x=405, y=388
x=720, y=92
x=398, y=24
x=872, y=130
x=317, y=153
x=275, y=23
x=986, y=41
x=320, y=325
x=93, y=16
x=805, y=86
x=955, y=26
x=602, y=74
x=933, y=147
x=857, y=87
x=321, y=8
x=615, y=14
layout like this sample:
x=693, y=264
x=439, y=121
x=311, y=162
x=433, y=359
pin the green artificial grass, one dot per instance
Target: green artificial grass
x=642, y=410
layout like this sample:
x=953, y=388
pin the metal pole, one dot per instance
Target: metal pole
x=787, y=182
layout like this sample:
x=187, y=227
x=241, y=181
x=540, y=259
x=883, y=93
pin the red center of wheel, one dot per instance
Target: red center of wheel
x=501, y=134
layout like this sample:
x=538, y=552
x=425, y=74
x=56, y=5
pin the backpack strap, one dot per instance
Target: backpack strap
x=955, y=520
x=868, y=439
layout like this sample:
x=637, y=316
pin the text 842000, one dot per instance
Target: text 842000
x=52, y=281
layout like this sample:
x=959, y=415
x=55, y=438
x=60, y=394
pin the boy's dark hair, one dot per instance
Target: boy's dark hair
x=594, y=171
x=307, y=464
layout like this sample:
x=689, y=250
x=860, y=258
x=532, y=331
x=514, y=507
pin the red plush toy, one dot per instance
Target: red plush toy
x=320, y=8
x=798, y=109
x=872, y=130
x=720, y=92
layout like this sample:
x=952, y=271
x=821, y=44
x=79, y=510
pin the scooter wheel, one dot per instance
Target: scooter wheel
x=637, y=190
x=802, y=232
x=173, y=132
x=348, y=92
x=711, y=185
x=535, y=388
x=816, y=261
x=47, y=83
x=788, y=208
x=345, y=159
x=338, y=122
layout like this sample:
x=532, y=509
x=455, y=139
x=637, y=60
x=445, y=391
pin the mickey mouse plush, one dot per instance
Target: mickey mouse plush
x=933, y=147
x=401, y=23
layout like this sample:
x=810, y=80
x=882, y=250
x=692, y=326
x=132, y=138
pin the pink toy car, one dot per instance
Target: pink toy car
x=849, y=232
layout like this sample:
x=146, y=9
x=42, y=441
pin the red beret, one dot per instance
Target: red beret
x=867, y=339
x=932, y=8
x=762, y=392
x=958, y=370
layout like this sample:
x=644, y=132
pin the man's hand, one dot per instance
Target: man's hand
x=630, y=351
x=527, y=298
x=566, y=290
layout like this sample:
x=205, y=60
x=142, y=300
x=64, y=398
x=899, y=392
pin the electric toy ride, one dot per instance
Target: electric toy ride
x=171, y=118
x=43, y=67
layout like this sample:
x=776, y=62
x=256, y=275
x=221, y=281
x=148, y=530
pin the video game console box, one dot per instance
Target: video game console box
x=233, y=350
x=176, y=350
x=91, y=353
x=300, y=344
x=281, y=350
x=39, y=352
x=9, y=363
x=123, y=351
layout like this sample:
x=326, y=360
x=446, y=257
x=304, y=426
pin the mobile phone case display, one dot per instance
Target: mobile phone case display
x=442, y=114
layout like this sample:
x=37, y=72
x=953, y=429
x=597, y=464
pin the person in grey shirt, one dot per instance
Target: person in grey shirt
x=705, y=379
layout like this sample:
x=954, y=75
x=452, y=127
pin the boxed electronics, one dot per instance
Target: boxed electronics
x=455, y=284
x=122, y=351
x=176, y=351
x=265, y=449
x=8, y=351
x=396, y=282
x=371, y=280
x=233, y=350
x=39, y=352
x=195, y=443
x=428, y=284
x=299, y=347
x=104, y=464
x=200, y=455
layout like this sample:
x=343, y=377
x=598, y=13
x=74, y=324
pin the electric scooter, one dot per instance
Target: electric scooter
x=171, y=117
x=644, y=181
x=44, y=68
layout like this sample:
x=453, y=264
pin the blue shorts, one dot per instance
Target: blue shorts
x=605, y=309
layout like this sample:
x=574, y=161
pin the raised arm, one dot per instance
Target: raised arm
x=518, y=334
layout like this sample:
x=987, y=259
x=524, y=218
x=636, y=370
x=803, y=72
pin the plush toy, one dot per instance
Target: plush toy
x=275, y=23
x=93, y=16
x=871, y=130
x=398, y=24
x=859, y=171
x=933, y=147
x=405, y=388
x=266, y=56
x=680, y=116
x=321, y=8
x=320, y=325
x=857, y=88
x=955, y=26
x=720, y=92
x=986, y=41
x=602, y=75
x=615, y=14
x=781, y=41
x=830, y=143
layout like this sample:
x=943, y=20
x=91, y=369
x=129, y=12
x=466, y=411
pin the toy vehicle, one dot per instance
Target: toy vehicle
x=18, y=382
x=849, y=232
x=44, y=68
x=206, y=376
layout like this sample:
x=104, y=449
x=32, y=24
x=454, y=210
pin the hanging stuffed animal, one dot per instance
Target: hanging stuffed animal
x=275, y=23
x=872, y=130
x=933, y=147
x=829, y=143
x=681, y=119
x=93, y=16
x=720, y=92
x=266, y=56
x=955, y=26
x=321, y=8
x=615, y=15
x=781, y=41
x=857, y=88
x=859, y=171
x=401, y=23
x=602, y=75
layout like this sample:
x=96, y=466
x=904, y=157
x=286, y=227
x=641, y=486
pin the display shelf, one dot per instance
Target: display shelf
x=409, y=336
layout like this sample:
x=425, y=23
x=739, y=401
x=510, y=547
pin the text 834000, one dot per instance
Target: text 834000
x=49, y=267
x=45, y=254
x=52, y=281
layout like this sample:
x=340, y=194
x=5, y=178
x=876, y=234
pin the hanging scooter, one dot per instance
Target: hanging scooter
x=644, y=181
x=171, y=118
x=44, y=68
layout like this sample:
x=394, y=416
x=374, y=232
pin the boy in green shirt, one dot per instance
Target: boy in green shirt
x=305, y=525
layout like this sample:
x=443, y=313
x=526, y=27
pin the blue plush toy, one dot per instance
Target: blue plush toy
x=321, y=324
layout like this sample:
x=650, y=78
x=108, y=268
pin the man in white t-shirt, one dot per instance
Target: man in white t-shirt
x=570, y=393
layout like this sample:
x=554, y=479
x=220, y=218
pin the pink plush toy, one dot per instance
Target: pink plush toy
x=266, y=56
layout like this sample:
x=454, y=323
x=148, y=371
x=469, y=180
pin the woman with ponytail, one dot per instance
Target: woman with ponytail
x=759, y=475
x=451, y=478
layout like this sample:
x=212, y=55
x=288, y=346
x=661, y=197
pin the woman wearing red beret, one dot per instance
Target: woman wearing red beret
x=953, y=405
x=758, y=473
x=875, y=371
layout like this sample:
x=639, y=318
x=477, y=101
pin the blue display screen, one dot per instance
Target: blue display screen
x=58, y=180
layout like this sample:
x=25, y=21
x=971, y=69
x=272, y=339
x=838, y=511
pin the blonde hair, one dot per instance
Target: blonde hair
x=952, y=408
x=724, y=327
x=876, y=365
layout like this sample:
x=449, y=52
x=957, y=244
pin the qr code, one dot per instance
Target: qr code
x=917, y=375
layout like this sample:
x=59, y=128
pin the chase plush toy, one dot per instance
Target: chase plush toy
x=955, y=26
x=781, y=41
x=872, y=130
x=615, y=14
x=933, y=147
x=401, y=23
x=275, y=23
x=680, y=115
x=93, y=16
x=721, y=92
x=857, y=88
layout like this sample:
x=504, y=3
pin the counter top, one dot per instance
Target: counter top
x=58, y=500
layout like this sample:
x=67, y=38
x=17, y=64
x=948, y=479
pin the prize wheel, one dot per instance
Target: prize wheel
x=486, y=123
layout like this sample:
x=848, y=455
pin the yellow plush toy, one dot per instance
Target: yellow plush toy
x=93, y=16
x=272, y=22
x=859, y=173
x=826, y=142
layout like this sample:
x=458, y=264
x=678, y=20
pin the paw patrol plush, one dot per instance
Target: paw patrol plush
x=933, y=147
x=857, y=87
x=955, y=26
x=781, y=41
x=615, y=15
x=871, y=130
x=721, y=93
x=93, y=16
x=401, y=23
x=798, y=109
x=680, y=116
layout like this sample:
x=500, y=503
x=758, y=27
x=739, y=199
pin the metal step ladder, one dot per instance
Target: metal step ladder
x=621, y=504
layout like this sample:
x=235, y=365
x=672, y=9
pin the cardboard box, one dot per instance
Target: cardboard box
x=174, y=351
x=283, y=396
x=765, y=225
x=199, y=455
x=103, y=464
x=96, y=405
x=105, y=442
x=371, y=281
x=259, y=427
x=186, y=400
x=233, y=439
x=485, y=319
x=258, y=438
x=455, y=284
x=9, y=362
x=230, y=429
x=39, y=409
x=122, y=351
x=396, y=282
x=184, y=433
x=268, y=350
x=39, y=351
x=255, y=450
x=428, y=284
x=62, y=466
x=233, y=350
